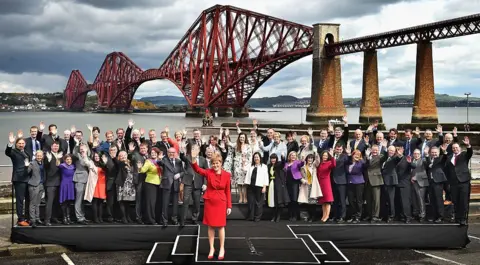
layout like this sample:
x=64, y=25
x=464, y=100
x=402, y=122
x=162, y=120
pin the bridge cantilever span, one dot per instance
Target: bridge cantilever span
x=428, y=32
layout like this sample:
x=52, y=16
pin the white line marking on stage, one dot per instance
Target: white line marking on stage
x=437, y=257
x=474, y=237
x=311, y=252
x=295, y=235
x=67, y=259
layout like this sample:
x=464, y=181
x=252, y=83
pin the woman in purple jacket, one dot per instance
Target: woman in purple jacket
x=293, y=176
x=67, y=188
x=355, y=186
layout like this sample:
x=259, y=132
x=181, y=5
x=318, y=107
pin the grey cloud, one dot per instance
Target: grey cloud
x=21, y=6
x=121, y=4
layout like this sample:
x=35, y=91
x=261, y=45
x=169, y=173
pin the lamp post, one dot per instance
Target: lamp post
x=468, y=103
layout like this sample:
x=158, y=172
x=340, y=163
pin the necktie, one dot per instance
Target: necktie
x=208, y=163
x=455, y=160
x=408, y=148
x=34, y=145
x=356, y=144
x=168, y=146
x=336, y=156
x=173, y=162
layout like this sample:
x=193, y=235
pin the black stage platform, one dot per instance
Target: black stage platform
x=248, y=242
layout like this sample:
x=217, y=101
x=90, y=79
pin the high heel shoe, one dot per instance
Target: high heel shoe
x=221, y=257
x=210, y=257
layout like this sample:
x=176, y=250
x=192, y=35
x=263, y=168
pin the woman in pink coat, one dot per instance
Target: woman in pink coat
x=327, y=163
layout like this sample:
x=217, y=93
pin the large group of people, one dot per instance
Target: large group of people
x=382, y=177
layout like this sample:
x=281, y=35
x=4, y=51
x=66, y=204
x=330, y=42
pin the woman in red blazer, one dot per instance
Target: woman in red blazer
x=217, y=200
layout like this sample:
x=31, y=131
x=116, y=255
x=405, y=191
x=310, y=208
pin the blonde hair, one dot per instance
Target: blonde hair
x=216, y=157
x=306, y=137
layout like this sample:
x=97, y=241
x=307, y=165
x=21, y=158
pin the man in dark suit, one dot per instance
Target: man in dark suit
x=459, y=178
x=163, y=145
x=340, y=184
x=392, y=138
x=428, y=142
x=390, y=178
x=172, y=172
x=410, y=143
x=152, y=141
x=120, y=141
x=111, y=175
x=322, y=143
x=194, y=184
x=64, y=143
x=32, y=144
x=359, y=142
x=52, y=159
x=339, y=136
x=404, y=188
x=139, y=157
x=46, y=140
x=437, y=177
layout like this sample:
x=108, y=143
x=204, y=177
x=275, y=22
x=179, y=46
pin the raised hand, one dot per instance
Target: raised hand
x=160, y=155
x=184, y=132
x=195, y=151
x=227, y=132
x=73, y=129
x=444, y=147
x=11, y=138
x=131, y=123
x=417, y=131
x=384, y=143
x=375, y=124
x=330, y=127
x=344, y=119
x=368, y=152
x=142, y=131
x=19, y=134
x=131, y=147
x=439, y=128
x=221, y=131
x=454, y=131
x=348, y=150
x=255, y=122
x=104, y=158
x=466, y=141
x=370, y=128
x=49, y=156
x=426, y=150
x=237, y=123
x=167, y=130
x=409, y=159
x=310, y=131
x=330, y=151
x=204, y=140
x=400, y=151
x=41, y=127
x=90, y=127
x=26, y=162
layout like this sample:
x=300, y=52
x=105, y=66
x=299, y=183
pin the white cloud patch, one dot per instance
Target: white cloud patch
x=44, y=40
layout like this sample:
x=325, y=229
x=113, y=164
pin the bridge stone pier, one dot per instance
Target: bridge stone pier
x=224, y=112
x=370, y=110
x=240, y=112
x=326, y=100
x=424, y=105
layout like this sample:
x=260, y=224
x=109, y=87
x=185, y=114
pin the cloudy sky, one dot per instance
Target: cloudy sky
x=41, y=41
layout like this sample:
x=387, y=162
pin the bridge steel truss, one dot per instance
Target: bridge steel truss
x=228, y=53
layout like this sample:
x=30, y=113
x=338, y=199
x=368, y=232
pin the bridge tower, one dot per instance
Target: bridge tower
x=326, y=97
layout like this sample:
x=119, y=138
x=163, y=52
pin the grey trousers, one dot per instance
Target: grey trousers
x=418, y=200
x=79, y=195
x=35, y=199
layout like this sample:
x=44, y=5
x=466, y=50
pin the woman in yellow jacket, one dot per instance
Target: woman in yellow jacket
x=152, y=182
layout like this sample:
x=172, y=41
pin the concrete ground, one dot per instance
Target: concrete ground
x=53, y=256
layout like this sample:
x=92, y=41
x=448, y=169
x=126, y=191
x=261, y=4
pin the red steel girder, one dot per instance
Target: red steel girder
x=75, y=91
x=429, y=32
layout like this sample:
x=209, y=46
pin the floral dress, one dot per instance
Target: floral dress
x=127, y=191
x=240, y=160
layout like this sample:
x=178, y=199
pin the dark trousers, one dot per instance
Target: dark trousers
x=255, y=199
x=293, y=189
x=97, y=207
x=189, y=194
x=390, y=198
x=436, y=198
x=138, y=200
x=372, y=197
x=340, y=202
x=111, y=199
x=150, y=191
x=406, y=200
x=167, y=196
x=21, y=191
x=460, y=198
x=52, y=203
x=448, y=192
x=355, y=198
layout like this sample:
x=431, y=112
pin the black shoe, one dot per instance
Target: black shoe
x=48, y=224
x=421, y=220
x=39, y=222
x=165, y=224
x=438, y=221
x=124, y=220
x=463, y=222
x=375, y=220
x=33, y=224
x=389, y=220
x=350, y=220
x=174, y=221
x=55, y=221
x=139, y=221
x=408, y=220
x=182, y=224
x=83, y=222
x=355, y=221
x=194, y=222
x=110, y=220
x=65, y=221
x=340, y=221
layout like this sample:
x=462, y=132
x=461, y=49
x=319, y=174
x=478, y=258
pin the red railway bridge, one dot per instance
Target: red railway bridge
x=228, y=53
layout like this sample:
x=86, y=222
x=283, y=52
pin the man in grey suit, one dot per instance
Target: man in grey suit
x=420, y=184
x=390, y=178
x=80, y=179
x=172, y=172
x=193, y=184
x=35, y=187
x=374, y=184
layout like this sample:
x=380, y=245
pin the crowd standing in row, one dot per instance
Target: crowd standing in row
x=371, y=168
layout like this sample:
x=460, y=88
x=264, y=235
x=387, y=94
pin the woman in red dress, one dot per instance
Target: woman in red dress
x=217, y=200
x=327, y=163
